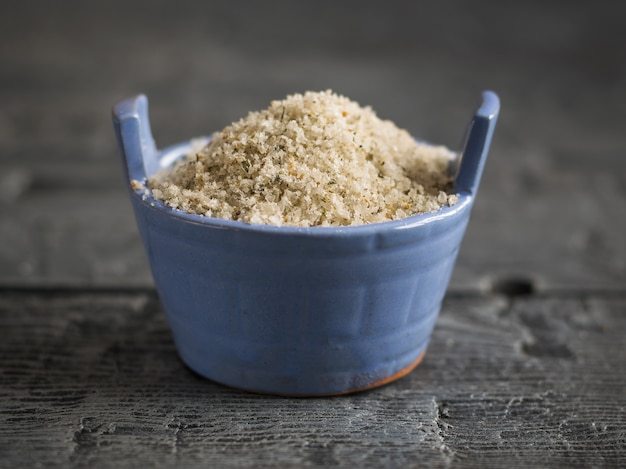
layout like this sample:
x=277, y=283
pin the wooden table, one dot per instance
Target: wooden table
x=527, y=361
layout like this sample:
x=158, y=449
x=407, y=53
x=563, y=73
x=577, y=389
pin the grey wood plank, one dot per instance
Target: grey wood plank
x=91, y=378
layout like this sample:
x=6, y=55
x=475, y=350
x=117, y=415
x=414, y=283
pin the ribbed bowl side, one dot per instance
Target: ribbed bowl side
x=300, y=314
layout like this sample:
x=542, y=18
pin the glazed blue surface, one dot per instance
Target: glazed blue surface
x=291, y=310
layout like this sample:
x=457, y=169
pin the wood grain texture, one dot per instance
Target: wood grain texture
x=92, y=379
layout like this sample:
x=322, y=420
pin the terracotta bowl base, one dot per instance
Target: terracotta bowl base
x=381, y=382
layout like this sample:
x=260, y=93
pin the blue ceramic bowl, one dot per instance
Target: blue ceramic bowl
x=298, y=311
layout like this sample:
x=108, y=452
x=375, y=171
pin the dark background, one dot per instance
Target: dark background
x=551, y=207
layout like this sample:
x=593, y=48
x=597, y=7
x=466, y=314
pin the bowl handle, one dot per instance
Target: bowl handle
x=477, y=141
x=134, y=138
